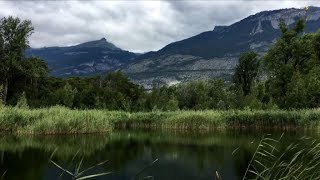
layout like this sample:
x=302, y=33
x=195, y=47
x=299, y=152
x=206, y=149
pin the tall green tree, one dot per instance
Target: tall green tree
x=14, y=35
x=289, y=61
x=246, y=71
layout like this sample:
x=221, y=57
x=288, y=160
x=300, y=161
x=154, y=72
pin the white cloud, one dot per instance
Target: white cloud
x=137, y=26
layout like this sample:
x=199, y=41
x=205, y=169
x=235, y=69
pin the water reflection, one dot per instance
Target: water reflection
x=181, y=155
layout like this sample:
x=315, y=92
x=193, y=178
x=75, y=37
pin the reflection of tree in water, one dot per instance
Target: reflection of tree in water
x=28, y=165
x=192, y=156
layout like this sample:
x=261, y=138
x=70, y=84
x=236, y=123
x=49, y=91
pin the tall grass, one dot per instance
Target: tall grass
x=177, y=120
x=61, y=120
x=300, y=160
x=275, y=119
x=55, y=120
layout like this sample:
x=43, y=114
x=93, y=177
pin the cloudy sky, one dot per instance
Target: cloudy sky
x=134, y=25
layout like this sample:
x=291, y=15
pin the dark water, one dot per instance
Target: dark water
x=129, y=154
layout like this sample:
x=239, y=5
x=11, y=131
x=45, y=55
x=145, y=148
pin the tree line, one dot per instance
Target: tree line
x=287, y=76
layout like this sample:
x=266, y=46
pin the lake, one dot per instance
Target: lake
x=129, y=154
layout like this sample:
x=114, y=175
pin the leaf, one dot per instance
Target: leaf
x=93, y=176
x=62, y=168
x=92, y=167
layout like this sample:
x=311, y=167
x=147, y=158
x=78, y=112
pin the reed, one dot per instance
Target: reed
x=79, y=173
x=54, y=120
x=300, y=160
x=61, y=120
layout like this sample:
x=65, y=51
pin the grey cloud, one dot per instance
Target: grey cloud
x=137, y=26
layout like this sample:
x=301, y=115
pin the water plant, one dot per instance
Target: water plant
x=3, y=175
x=79, y=174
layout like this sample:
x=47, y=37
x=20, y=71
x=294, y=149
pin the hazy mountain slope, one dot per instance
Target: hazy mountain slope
x=83, y=59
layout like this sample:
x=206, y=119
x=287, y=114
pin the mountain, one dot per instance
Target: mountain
x=215, y=53
x=84, y=59
x=209, y=54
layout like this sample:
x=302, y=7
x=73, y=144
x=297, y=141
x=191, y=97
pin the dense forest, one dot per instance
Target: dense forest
x=287, y=76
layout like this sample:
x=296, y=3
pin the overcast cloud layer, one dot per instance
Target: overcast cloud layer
x=137, y=26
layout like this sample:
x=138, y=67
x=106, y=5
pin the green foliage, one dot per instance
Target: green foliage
x=22, y=102
x=1, y=96
x=288, y=63
x=199, y=95
x=172, y=105
x=14, y=35
x=316, y=44
x=304, y=91
x=246, y=71
x=65, y=96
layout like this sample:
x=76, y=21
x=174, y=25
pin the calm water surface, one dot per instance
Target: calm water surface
x=180, y=155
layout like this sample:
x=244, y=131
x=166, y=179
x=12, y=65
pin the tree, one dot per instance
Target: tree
x=65, y=96
x=33, y=69
x=246, y=71
x=14, y=35
x=192, y=95
x=292, y=57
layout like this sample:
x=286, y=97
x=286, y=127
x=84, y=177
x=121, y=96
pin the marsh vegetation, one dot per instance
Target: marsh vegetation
x=61, y=120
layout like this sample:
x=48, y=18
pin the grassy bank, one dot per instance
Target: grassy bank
x=60, y=120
